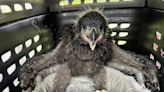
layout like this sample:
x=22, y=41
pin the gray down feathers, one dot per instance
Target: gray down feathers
x=61, y=69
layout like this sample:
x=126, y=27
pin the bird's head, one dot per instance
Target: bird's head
x=93, y=27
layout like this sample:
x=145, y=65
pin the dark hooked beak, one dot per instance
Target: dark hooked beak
x=93, y=42
x=91, y=36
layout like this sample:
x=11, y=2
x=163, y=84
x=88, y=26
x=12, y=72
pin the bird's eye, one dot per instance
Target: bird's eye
x=101, y=27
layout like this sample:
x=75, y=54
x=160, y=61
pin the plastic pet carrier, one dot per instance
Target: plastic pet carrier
x=29, y=28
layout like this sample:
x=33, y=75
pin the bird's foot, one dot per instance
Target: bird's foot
x=153, y=86
x=152, y=81
x=27, y=81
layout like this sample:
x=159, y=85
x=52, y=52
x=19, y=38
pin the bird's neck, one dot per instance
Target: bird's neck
x=102, y=52
x=84, y=61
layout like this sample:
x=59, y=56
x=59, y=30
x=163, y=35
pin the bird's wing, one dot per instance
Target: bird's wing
x=122, y=56
x=33, y=66
x=53, y=79
x=138, y=65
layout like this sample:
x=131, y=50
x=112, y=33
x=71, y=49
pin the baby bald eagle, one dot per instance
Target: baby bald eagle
x=86, y=56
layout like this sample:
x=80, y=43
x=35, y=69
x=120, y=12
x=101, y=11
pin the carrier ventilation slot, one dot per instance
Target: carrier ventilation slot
x=78, y=2
x=5, y=9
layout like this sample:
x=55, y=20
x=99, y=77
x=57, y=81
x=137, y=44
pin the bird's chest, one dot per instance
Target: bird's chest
x=83, y=61
x=84, y=67
x=85, y=54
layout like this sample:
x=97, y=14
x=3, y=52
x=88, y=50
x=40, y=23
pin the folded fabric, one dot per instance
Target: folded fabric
x=116, y=82
x=119, y=82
